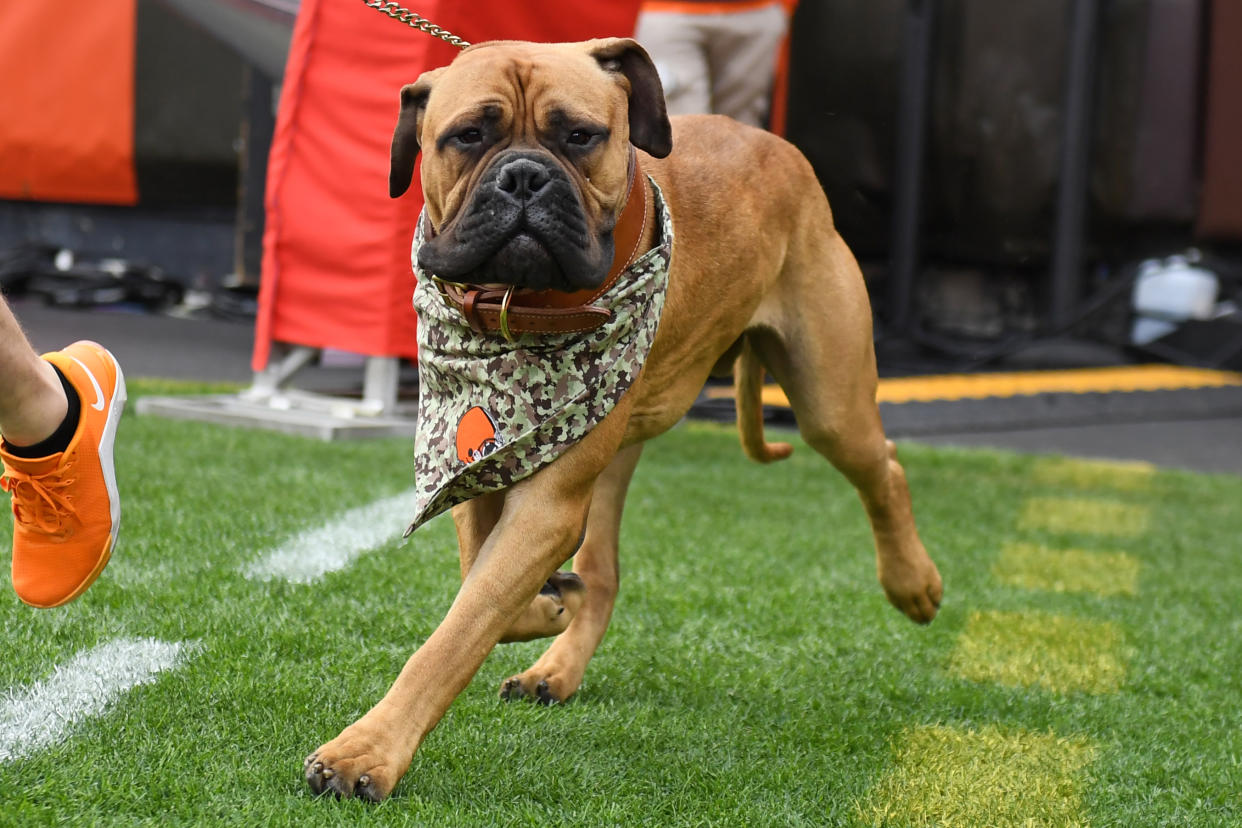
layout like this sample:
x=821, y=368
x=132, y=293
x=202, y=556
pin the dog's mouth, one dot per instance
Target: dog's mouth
x=521, y=257
x=523, y=260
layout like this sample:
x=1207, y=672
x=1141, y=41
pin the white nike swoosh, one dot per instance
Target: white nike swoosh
x=98, y=404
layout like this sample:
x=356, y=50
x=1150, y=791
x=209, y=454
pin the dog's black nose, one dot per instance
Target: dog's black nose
x=522, y=178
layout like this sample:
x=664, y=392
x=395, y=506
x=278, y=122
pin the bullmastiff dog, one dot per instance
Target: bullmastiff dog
x=529, y=154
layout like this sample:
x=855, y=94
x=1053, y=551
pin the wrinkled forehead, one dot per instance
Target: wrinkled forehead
x=546, y=80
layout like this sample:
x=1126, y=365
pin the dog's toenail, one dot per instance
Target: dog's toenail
x=318, y=767
x=364, y=780
x=329, y=773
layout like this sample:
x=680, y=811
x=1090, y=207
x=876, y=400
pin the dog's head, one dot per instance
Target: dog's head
x=526, y=158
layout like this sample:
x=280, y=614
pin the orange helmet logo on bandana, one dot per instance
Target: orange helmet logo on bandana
x=476, y=435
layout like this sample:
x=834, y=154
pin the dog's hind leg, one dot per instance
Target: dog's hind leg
x=815, y=339
x=558, y=672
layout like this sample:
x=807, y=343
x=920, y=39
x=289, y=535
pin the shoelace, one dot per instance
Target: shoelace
x=39, y=501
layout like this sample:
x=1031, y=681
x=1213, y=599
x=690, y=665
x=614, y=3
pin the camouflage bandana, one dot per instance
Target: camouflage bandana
x=493, y=412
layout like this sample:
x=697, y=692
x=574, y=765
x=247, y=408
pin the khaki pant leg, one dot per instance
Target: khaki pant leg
x=742, y=55
x=677, y=45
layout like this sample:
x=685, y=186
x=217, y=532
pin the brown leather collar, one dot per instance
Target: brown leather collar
x=512, y=311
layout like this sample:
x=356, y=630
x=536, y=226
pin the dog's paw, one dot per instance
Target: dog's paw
x=354, y=764
x=515, y=687
x=551, y=680
x=551, y=611
x=913, y=586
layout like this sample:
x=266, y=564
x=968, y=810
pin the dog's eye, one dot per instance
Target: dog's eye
x=579, y=138
x=469, y=136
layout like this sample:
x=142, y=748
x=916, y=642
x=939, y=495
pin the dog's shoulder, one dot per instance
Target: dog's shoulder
x=715, y=155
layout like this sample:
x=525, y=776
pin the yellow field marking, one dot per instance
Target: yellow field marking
x=772, y=394
x=982, y=386
x=1085, y=516
x=1053, y=652
x=946, y=776
x=1029, y=566
x=1084, y=380
x=1123, y=476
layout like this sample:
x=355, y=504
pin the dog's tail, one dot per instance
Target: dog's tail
x=748, y=379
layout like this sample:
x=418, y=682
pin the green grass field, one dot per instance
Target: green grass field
x=1086, y=667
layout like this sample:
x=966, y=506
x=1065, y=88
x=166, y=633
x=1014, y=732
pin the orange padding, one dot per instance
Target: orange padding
x=67, y=108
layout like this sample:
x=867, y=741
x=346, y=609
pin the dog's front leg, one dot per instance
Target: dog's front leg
x=370, y=755
x=538, y=528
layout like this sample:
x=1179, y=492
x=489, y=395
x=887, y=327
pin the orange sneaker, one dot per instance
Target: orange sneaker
x=66, y=505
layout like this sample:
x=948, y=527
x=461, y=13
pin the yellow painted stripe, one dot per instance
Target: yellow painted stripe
x=1052, y=652
x=772, y=394
x=981, y=386
x=1079, y=381
x=945, y=776
x=1029, y=566
x=1088, y=516
x=1134, y=476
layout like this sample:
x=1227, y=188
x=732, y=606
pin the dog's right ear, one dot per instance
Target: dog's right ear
x=405, y=137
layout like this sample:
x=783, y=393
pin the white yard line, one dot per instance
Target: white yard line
x=42, y=714
x=309, y=556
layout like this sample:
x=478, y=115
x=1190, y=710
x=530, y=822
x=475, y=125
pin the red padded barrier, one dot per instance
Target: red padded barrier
x=336, y=260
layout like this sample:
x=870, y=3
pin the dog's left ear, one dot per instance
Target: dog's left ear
x=405, y=136
x=649, y=126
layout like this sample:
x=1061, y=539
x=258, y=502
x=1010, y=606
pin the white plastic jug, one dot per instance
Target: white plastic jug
x=1168, y=292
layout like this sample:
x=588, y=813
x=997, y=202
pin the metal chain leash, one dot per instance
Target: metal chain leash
x=415, y=21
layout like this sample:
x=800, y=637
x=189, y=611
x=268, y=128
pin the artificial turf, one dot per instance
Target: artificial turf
x=753, y=673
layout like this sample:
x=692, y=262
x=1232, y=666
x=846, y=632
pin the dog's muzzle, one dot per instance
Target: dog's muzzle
x=525, y=226
x=510, y=312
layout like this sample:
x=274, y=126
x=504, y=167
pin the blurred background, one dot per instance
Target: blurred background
x=1051, y=183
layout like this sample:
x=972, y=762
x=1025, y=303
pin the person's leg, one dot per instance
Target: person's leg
x=675, y=43
x=32, y=399
x=742, y=52
x=58, y=419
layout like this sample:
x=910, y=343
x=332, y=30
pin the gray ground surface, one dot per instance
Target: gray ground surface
x=1196, y=430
